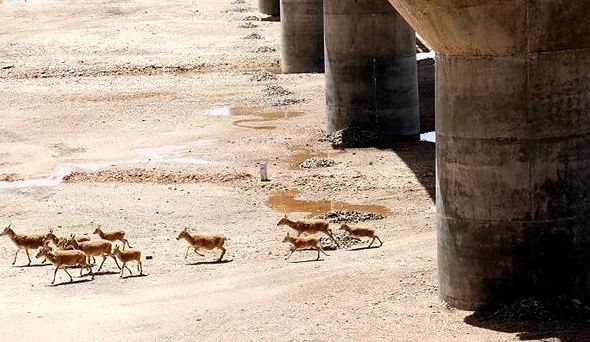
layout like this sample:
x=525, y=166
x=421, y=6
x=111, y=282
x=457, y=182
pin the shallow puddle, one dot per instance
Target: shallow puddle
x=260, y=116
x=168, y=154
x=286, y=202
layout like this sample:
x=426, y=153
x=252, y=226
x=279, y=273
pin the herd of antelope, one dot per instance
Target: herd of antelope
x=79, y=251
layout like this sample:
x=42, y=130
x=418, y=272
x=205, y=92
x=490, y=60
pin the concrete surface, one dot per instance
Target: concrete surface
x=370, y=69
x=512, y=97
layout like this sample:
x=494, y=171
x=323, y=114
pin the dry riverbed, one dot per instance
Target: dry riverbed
x=150, y=116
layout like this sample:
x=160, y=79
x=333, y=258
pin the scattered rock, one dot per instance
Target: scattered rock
x=238, y=2
x=248, y=25
x=316, y=162
x=253, y=36
x=353, y=137
x=138, y=175
x=263, y=76
x=239, y=9
x=337, y=216
x=9, y=177
x=344, y=240
x=149, y=257
x=275, y=90
x=264, y=49
x=6, y=66
x=251, y=18
x=285, y=102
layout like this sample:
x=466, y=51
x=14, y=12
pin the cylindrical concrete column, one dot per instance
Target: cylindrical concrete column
x=370, y=55
x=270, y=7
x=513, y=146
x=302, y=22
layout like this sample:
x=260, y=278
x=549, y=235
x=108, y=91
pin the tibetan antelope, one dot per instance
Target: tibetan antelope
x=96, y=248
x=26, y=241
x=204, y=241
x=126, y=256
x=302, y=243
x=116, y=235
x=309, y=227
x=358, y=232
x=65, y=258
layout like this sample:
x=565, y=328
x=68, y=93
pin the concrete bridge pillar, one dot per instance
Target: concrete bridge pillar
x=371, y=81
x=302, y=23
x=513, y=146
x=270, y=7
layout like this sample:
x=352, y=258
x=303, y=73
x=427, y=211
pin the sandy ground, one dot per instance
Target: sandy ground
x=162, y=111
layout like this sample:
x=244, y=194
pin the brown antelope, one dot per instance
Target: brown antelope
x=205, y=241
x=94, y=248
x=127, y=256
x=116, y=235
x=65, y=258
x=309, y=227
x=61, y=243
x=358, y=232
x=26, y=241
x=301, y=243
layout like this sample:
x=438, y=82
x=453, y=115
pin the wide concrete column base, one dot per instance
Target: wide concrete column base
x=513, y=177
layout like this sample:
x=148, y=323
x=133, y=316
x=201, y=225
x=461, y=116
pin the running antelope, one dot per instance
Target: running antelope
x=302, y=243
x=65, y=258
x=94, y=248
x=358, y=232
x=205, y=241
x=116, y=235
x=309, y=227
x=26, y=241
x=126, y=256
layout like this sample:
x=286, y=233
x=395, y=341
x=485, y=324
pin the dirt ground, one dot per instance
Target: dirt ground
x=157, y=114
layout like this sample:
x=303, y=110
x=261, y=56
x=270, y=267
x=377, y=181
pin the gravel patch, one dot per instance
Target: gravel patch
x=251, y=18
x=353, y=137
x=264, y=49
x=253, y=36
x=338, y=216
x=285, y=102
x=344, y=240
x=248, y=25
x=263, y=76
x=275, y=90
x=313, y=163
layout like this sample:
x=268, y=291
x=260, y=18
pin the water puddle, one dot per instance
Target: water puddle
x=260, y=116
x=429, y=137
x=168, y=154
x=286, y=202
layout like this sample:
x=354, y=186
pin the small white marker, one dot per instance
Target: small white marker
x=264, y=172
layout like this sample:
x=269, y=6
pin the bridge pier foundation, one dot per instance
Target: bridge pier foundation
x=302, y=23
x=513, y=147
x=371, y=72
x=270, y=7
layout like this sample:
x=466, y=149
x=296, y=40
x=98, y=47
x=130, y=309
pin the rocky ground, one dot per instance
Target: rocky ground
x=150, y=116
